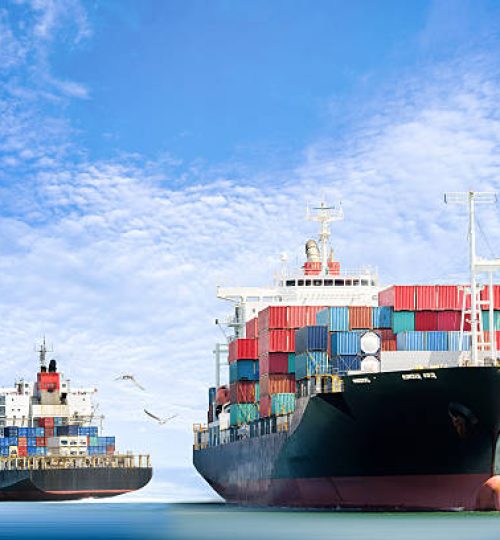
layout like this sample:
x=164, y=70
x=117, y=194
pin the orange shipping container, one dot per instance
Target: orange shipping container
x=22, y=441
x=277, y=384
x=360, y=317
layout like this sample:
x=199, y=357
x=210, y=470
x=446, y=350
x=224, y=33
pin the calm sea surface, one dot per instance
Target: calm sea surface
x=218, y=521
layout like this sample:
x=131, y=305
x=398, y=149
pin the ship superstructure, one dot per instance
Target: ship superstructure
x=346, y=393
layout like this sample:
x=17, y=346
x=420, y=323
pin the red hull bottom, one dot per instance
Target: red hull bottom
x=412, y=492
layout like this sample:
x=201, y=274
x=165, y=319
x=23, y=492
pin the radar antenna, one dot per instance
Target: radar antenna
x=324, y=215
x=471, y=198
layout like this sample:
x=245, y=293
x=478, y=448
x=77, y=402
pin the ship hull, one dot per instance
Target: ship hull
x=420, y=440
x=70, y=484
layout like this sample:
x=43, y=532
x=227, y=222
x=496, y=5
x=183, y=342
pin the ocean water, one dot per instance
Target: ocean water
x=94, y=520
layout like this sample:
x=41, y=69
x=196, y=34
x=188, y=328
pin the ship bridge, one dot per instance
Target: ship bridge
x=318, y=282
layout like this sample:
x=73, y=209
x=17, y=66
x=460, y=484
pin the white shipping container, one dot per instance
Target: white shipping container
x=407, y=360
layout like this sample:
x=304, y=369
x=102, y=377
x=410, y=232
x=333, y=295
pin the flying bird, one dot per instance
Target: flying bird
x=161, y=421
x=130, y=378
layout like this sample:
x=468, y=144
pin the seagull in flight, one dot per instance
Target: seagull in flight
x=130, y=378
x=161, y=421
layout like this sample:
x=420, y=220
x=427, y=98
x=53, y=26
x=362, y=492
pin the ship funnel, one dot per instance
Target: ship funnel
x=312, y=251
x=52, y=366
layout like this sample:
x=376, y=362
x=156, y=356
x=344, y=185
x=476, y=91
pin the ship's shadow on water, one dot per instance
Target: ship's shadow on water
x=219, y=521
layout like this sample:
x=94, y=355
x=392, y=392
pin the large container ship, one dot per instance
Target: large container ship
x=347, y=394
x=51, y=449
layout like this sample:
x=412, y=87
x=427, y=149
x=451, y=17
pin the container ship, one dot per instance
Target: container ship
x=344, y=393
x=50, y=448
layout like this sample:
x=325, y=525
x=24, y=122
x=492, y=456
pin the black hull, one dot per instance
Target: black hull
x=70, y=484
x=407, y=440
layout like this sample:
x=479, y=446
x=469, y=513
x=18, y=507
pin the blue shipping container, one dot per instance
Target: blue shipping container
x=454, y=342
x=31, y=441
x=311, y=363
x=243, y=413
x=282, y=403
x=343, y=364
x=311, y=338
x=345, y=343
x=411, y=341
x=436, y=341
x=244, y=370
x=336, y=318
x=22, y=432
x=403, y=321
x=31, y=450
x=211, y=394
x=382, y=317
x=10, y=431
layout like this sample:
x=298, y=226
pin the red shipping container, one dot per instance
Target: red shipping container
x=449, y=320
x=277, y=341
x=425, y=297
x=448, y=298
x=299, y=316
x=46, y=422
x=273, y=363
x=41, y=441
x=265, y=406
x=273, y=317
x=485, y=295
x=22, y=451
x=252, y=328
x=243, y=349
x=48, y=381
x=110, y=449
x=277, y=384
x=242, y=392
x=49, y=432
x=401, y=297
x=426, y=321
x=360, y=317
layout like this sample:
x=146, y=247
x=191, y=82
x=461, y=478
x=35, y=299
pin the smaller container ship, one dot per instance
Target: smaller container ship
x=50, y=449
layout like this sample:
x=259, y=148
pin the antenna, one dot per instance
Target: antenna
x=471, y=198
x=42, y=351
x=324, y=216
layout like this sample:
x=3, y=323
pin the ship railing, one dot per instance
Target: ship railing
x=118, y=461
x=325, y=383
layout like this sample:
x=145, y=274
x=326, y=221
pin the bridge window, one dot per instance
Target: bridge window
x=328, y=282
x=339, y=283
x=365, y=282
x=308, y=282
x=348, y=282
x=290, y=283
x=355, y=281
x=317, y=282
x=300, y=283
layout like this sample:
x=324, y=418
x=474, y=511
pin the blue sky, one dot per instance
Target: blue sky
x=149, y=150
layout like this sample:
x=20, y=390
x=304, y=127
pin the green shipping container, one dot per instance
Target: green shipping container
x=486, y=320
x=243, y=413
x=403, y=321
x=291, y=362
x=257, y=392
x=93, y=441
x=282, y=403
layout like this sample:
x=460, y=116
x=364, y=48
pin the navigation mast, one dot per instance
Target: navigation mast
x=324, y=216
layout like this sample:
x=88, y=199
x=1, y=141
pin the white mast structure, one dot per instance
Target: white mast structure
x=477, y=265
x=324, y=216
